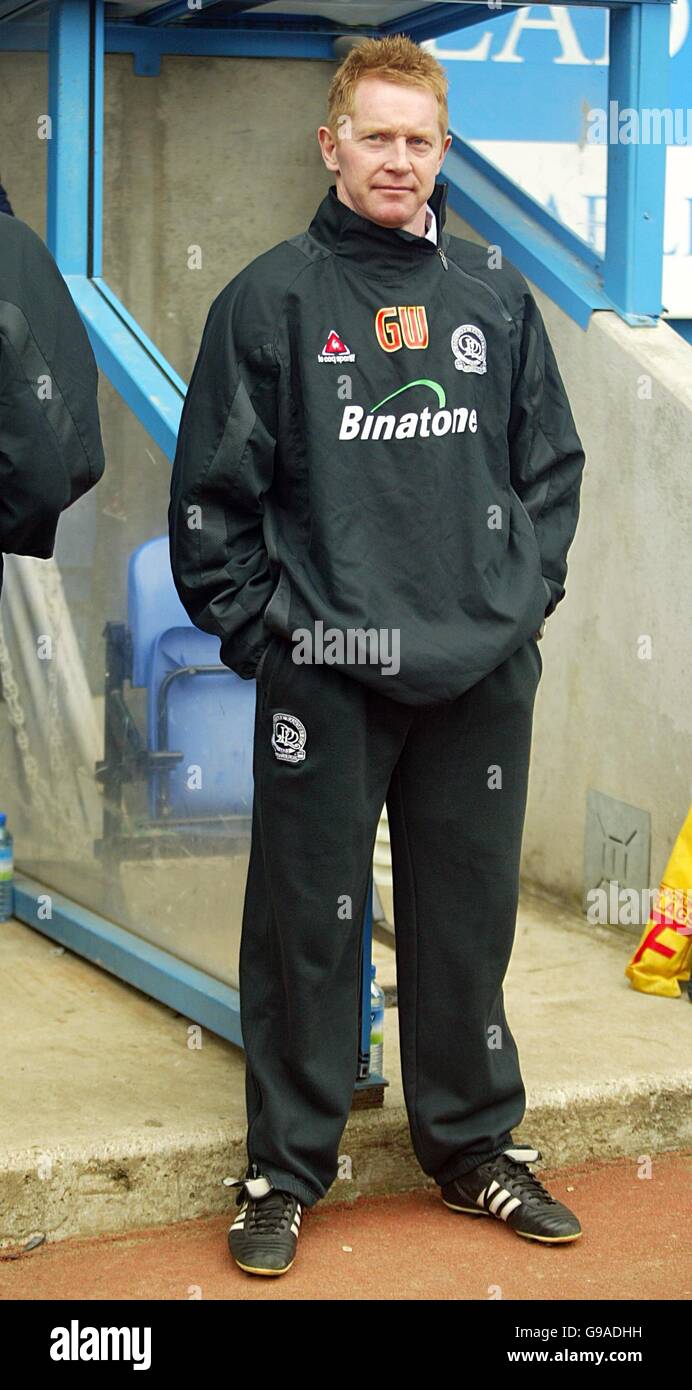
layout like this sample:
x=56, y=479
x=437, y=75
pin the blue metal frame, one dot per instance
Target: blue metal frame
x=133, y=364
x=546, y=251
x=158, y=973
x=194, y=993
x=627, y=281
x=252, y=40
x=256, y=35
x=70, y=165
x=638, y=78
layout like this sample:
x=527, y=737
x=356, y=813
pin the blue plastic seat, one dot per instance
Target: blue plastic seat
x=208, y=716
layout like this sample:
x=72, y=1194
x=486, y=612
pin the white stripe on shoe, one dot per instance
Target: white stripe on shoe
x=240, y=1218
x=507, y=1210
x=484, y=1196
x=498, y=1199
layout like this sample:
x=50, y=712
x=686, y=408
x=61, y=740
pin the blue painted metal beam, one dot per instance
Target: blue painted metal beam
x=75, y=150
x=638, y=79
x=95, y=267
x=256, y=35
x=261, y=40
x=434, y=20
x=556, y=260
x=69, y=152
x=133, y=364
x=191, y=992
x=525, y=204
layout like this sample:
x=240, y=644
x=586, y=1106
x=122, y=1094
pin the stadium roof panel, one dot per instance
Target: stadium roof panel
x=422, y=18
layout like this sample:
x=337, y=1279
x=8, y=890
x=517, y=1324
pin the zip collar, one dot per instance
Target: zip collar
x=377, y=248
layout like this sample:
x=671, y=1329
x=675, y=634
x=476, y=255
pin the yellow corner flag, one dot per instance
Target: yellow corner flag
x=664, y=954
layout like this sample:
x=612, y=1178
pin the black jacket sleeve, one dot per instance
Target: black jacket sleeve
x=50, y=436
x=546, y=455
x=224, y=464
x=5, y=204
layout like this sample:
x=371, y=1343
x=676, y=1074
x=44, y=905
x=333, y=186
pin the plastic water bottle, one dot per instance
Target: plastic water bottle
x=6, y=871
x=376, y=1025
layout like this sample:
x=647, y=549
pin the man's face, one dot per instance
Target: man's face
x=387, y=156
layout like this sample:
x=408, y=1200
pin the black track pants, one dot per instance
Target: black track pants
x=454, y=777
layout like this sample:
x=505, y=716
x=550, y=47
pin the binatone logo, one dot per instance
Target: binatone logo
x=410, y=328
x=288, y=738
x=468, y=346
x=335, y=350
x=422, y=422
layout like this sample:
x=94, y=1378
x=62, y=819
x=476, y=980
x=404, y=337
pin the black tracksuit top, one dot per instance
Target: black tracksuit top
x=376, y=436
x=51, y=451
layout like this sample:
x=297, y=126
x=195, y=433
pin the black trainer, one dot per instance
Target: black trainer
x=264, y=1235
x=504, y=1187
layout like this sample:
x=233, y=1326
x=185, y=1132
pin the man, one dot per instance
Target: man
x=376, y=437
x=50, y=436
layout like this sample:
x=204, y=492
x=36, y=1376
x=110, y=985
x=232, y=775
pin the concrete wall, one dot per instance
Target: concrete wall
x=605, y=718
x=219, y=154
x=609, y=719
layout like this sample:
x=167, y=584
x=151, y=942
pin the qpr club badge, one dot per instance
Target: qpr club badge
x=468, y=346
x=288, y=738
